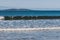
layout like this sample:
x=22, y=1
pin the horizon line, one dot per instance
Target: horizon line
x=32, y=8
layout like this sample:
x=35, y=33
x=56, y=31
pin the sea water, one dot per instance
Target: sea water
x=32, y=35
x=29, y=13
x=42, y=23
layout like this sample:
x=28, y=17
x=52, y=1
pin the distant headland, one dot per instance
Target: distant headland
x=26, y=10
x=16, y=10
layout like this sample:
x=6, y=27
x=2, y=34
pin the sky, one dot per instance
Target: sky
x=30, y=4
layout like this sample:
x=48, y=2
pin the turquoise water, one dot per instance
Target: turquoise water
x=29, y=13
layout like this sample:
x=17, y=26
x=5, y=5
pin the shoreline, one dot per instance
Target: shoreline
x=27, y=29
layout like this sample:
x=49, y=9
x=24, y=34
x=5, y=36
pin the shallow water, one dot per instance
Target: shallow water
x=30, y=23
x=34, y=35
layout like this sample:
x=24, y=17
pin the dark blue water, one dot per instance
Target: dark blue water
x=29, y=13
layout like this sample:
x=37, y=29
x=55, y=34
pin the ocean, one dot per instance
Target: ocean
x=29, y=13
x=32, y=35
x=30, y=23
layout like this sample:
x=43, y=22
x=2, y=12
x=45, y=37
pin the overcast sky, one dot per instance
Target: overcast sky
x=30, y=4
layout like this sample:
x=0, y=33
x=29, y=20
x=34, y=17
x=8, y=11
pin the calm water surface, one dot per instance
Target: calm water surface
x=37, y=35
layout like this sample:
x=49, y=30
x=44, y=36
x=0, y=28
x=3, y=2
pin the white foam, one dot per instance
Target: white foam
x=28, y=29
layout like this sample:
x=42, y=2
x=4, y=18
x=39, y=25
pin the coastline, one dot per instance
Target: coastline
x=27, y=29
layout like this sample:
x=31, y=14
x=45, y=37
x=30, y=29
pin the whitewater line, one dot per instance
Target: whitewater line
x=28, y=29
